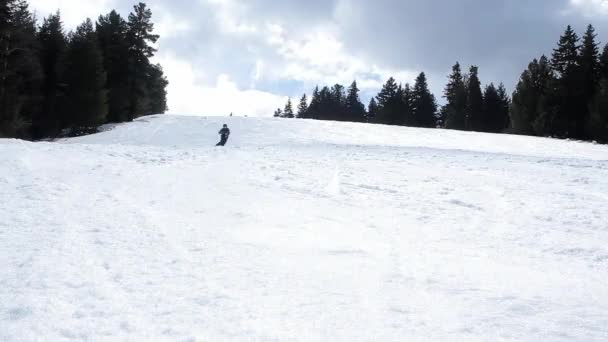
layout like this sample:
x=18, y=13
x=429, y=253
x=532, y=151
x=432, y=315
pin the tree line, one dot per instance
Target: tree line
x=54, y=83
x=395, y=105
x=564, y=96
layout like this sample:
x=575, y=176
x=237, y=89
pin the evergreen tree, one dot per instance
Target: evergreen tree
x=495, y=109
x=112, y=34
x=565, y=115
x=491, y=105
x=424, y=105
x=339, y=94
x=389, y=104
x=20, y=71
x=11, y=121
x=502, y=117
x=442, y=116
x=604, y=63
x=86, y=94
x=336, y=106
x=388, y=92
x=140, y=39
x=474, y=107
x=372, y=111
x=590, y=62
x=565, y=57
x=406, y=106
x=354, y=107
x=278, y=113
x=313, y=108
x=598, y=120
x=597, y=125
x=53, y=46
x=156, y=88
x=326, y=105
x=288, y=111
x=528, y=98
x=590, y=73
x=455, y=93
x=303, y=108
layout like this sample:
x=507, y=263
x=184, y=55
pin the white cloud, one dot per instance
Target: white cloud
x=168, y=26
x=73, y=12
x=221, y=98
x=230, y=18
x=320, y=57
x=591, y=8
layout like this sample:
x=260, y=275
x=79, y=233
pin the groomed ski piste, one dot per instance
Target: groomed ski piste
x=302, y=231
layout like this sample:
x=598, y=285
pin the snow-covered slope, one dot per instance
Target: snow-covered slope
x=302, y=231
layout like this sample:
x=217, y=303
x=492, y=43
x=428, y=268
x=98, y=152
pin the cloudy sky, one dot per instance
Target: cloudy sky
x=248, y=56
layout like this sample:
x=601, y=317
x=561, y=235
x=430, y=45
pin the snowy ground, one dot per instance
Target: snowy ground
x=302, y=231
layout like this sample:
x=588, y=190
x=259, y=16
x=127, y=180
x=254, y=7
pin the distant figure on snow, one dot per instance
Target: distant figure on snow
x=224, y=133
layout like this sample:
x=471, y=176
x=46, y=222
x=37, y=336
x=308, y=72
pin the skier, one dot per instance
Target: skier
x=224, y=133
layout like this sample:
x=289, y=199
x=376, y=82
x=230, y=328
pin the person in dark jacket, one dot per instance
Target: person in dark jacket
x=224, y=134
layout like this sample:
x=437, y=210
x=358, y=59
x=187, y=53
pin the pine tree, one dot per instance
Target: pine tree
x=406, y=105
x=590, y=62
x=372, y=111
x=502, y=117
x=303, y=108
x=288, y=111
x=10, y=116
x=565, y=116
x=388, y=92
x=336, y=109
x=278, y=113
x=530, y=93
x=339, y=94
x=495, y=109
x=491, y=108
x=314, y=107
x=53, y=46
x=424, y=105
x=328, y=103
x=112, y=34
x=456, y=95
x=590, y=74
x=389, y=104
x=474, y=108
x=156, y=88
x=140, y=39
x=86, y=94
x=354, y=107
x=597, y=125
x=20, y=70
x=565, y=57
x=604, y=63
x=325, y=104
x=442, y=116
x=598, y=119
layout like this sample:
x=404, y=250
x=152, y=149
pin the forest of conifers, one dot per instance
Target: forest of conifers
x=54, y=83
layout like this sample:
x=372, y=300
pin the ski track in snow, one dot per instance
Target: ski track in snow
x=302, y=231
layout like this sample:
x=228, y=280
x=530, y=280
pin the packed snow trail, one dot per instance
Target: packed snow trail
x=302, y=231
